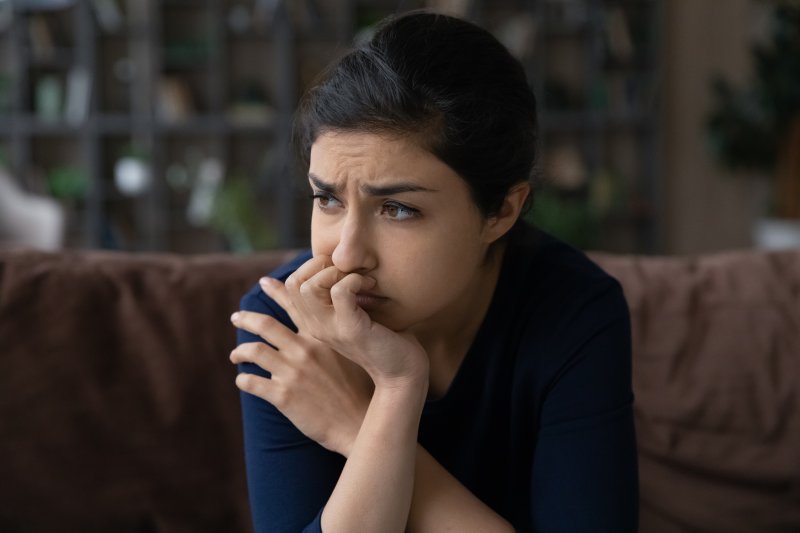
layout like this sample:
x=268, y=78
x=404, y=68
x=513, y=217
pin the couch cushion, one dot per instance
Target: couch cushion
x=118, y=410
x=717, y=385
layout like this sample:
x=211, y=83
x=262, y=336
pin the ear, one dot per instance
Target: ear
x=499, y=224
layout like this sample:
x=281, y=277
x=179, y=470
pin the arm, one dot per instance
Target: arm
x=439, y=499
x=375, y=488
x=289, y=476
x=442, y=503
x=585, y=476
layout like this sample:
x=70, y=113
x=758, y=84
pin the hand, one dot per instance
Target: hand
x=324, y=303
x=322, y=393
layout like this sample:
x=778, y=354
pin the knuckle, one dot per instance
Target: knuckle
x=292, y=282
x=245, y=381
x=307, y=289
x=282, y=396
x=265, y=322
x=304, y=355
x=338, y=291
x=292, y=374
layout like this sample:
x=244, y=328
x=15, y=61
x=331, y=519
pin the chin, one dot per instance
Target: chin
x=389, y=320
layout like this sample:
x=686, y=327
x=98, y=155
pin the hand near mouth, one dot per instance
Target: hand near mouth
x=332, y=306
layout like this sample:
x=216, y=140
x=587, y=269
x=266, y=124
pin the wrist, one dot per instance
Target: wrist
x=406, y=391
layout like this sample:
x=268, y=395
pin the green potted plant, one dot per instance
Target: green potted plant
x=757, y=127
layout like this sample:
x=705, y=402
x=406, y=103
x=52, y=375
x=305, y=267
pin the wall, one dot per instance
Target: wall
x=706, y=207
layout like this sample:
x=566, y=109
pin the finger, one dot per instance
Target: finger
x=343, y=295
x=265, y=326
x=307, y=270
x=297, y=278
x=258, y=353
x=317, y=289
x=264, y=388
x=276, y=290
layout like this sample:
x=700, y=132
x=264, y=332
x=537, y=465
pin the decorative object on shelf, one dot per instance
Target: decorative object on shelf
x=240, y=218
x=43, y=5
x=27, y=220
x=518, y=34
x=6, y=15
x=177, y=177
x=240, y=19
x=41, y=38
x=109, y=15
x=566, y=168
x=455, y=8
x=67, y=183
x=175, y=102
x=79, y=88
x=49, y=98
x=567, y=216
x=567, y=15
x=250, y=106
x=757, y=127
x=618, y=36
x=6, y=93
x=132, y=176
x=187, y=52
x=206, y=184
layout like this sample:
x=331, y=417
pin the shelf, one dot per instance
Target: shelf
x=210, y=68
x=29, y=125
x=55, y=59
x=591, y=120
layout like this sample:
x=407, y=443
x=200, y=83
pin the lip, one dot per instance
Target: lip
x=369, y=301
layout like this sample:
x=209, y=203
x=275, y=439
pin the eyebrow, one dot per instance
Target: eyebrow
x=386, y=190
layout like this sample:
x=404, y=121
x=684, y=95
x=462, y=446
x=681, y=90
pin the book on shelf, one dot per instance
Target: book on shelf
x=79, y=87
x=175, y=102
x=108, y=14
x=41, y=37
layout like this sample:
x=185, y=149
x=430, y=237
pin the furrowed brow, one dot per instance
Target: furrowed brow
x=371, y=190
x=323, y=186
x=395, y=188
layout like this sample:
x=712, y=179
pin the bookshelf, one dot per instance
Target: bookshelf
x=137, y=114
x=164, y=125
x=597, y=72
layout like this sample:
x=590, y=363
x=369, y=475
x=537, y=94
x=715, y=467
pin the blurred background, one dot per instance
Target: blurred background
x=667, y=127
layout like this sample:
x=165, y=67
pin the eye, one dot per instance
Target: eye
x=325, y=201
x=397, y=211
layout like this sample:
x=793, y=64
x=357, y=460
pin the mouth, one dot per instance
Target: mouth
x=368, y=301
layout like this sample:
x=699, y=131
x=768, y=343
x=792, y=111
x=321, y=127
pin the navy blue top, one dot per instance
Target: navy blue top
x=537, y=423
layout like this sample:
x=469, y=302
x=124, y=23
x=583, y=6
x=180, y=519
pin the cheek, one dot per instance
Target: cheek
x=323, y=237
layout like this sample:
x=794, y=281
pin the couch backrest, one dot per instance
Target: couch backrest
x=716, y=370
x=118, y=410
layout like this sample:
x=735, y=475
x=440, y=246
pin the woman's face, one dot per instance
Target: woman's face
x=390, y=210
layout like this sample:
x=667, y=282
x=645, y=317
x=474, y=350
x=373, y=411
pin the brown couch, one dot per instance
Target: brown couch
x=118, y=410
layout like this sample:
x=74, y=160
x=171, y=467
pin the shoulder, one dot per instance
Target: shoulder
x=572, y=338
x=561, y=305
x=255, y=300
x=550, y=274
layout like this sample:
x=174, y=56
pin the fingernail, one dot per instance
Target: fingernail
x=235, y=317
x=266, y=281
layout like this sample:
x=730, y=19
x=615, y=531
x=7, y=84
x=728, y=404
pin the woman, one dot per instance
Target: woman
x=433, y=363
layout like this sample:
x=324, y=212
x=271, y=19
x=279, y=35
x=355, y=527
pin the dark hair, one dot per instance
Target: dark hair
x=449, y=85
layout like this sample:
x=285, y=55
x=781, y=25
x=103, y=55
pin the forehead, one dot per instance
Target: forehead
x=339, y=157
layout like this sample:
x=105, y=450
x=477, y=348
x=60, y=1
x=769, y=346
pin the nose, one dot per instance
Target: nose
x=353, y=252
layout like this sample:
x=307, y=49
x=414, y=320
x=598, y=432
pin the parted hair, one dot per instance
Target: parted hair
x=447, y=84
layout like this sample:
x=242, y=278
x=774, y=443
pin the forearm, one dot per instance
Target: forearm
x=442, y=503
x=375, y=488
